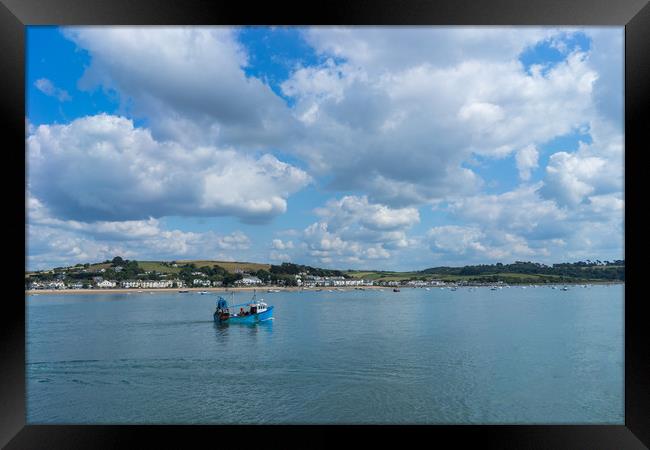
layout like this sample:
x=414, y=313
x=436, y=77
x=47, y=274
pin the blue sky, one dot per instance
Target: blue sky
x=387, y=148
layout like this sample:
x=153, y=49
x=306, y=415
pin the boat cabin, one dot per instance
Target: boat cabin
x=259, y=307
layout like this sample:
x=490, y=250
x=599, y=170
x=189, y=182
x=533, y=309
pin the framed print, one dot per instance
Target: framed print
x=278, y=225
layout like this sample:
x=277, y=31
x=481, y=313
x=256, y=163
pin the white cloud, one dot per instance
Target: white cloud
x=520, y=211
x=352, y=231
x=188, y=82
x=401, y=132
x=390, y=48
x=471, y=244
x=522, y=223
x=526, y=159
x=353, y=209
x=48, y=88
x=278, y=244
x=104, y=168
x=52, y=241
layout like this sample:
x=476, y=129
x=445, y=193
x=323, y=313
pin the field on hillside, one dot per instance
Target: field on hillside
x=230, y=266
x=157, y=266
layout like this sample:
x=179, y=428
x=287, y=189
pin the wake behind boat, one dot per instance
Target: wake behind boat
x=252, y=312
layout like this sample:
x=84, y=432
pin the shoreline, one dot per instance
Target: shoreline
x=265, y=289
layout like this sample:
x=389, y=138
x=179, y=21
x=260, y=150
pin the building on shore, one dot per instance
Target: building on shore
x=151, y=284
x=249, y=281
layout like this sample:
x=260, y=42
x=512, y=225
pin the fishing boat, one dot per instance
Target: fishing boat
x=252, y=312
x=395, y=290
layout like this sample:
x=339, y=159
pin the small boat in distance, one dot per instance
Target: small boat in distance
x=395, y=290
x=182, y=291
x=252, y=312
x=203, y=292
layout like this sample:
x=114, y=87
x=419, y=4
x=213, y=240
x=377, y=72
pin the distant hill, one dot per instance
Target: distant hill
x=517, y=273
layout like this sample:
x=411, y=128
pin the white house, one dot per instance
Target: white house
x=106, y=284
x=56, y=285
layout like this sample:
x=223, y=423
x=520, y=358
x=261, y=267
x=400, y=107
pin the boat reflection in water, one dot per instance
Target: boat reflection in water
x=254, y=311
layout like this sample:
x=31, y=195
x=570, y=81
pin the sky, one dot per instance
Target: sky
x=387, y=148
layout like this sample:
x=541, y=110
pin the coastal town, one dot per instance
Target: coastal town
x=124, y=274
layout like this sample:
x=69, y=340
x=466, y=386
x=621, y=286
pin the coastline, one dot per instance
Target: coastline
x=265, y=289
x=176, y=290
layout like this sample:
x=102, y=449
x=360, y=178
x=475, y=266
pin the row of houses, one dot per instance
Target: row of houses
x=206, y=283
x=312, y=281
x=248, y=281
x=107, y=284
x=147, y=284
x=47, y=285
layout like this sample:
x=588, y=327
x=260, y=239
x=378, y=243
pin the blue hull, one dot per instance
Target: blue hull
x=253, y=318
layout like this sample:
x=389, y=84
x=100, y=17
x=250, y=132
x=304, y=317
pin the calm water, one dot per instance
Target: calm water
x=515, y=355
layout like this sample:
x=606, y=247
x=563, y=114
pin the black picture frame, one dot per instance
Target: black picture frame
x=15, y=15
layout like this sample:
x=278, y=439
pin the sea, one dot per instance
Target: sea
x=533, y=355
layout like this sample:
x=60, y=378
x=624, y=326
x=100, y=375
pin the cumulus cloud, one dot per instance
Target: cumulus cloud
x=358, y=210
x=382, y=48
x=188, y=82
x=399, y=123
x=104, y=168
x=470, y=243
x=594, y=169
x=48, y=88
x=53, y=241
x=522, y=211
x=353, y=231
x=278, y=244
x=522, y=223
x=526, y=159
